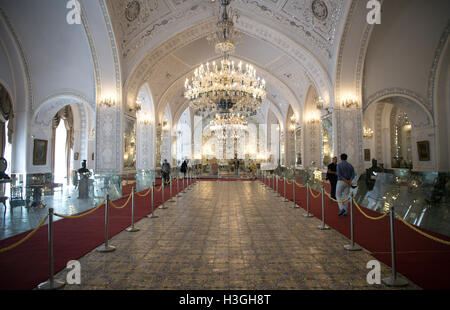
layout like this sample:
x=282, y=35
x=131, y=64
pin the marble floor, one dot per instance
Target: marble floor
x=227, y=235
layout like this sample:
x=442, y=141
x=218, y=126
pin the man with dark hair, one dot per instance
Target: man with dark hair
x=184, y=168
x=332, y=176
x=165, y=171
x=345, y=173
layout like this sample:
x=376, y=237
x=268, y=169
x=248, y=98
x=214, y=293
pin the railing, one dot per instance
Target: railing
x=107, y=184
x=382, y=190
x=421, y=199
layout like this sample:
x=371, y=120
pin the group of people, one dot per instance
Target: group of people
x=165, y=170
x=340, y=176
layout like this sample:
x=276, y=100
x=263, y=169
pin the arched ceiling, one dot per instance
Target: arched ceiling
x=290, y=42
x=142, y=25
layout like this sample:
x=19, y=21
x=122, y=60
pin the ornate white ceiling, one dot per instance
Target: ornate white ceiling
x=147, y=23
x=161, y=42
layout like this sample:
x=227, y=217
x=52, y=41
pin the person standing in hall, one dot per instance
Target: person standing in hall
x=332, y=176
x=165, y=171
x=345, y=175
x=184, y=168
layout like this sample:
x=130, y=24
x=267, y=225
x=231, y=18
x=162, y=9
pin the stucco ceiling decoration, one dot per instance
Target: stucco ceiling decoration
x=312, y=22
x=304, y=61
x=140, y=23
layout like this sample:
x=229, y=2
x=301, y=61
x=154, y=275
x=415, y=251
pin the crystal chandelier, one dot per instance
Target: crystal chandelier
x=227, y=87
x=228, y=121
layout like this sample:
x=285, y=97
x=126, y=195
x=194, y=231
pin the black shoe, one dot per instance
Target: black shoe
x=341, y=212
x=345, y=213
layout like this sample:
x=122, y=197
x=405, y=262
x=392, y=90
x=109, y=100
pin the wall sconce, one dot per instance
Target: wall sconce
x=319, y=102
x=107, y=103
x=350, y=102
x=313, y=121
x=165, y=126
x=145, y=122
x=367, y=133
x=137, y=108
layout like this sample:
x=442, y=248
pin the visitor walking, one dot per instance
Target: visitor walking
x=165, y=171
x=332, y=176
x=345, y=175
x=184, y=168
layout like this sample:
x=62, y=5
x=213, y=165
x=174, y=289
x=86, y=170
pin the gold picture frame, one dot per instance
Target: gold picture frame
x=366, y=154
x=423, y=150
x=40, y=152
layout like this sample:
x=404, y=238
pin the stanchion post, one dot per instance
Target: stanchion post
x=106, y=247
x=323, y=226
x=163, y=206
x=51, y=283
x=132, y=228
x=284, y=190
x=276, y=186
x=352, y=246
x=293, y=189
x=151, y=215
x=393, y=280
x=170, y=193
x=307, y=214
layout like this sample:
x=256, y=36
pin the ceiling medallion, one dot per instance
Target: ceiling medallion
x=319, y=9
x=132, y=10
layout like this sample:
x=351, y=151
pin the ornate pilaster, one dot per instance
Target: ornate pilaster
x=108, y=155
x=145, y=147
x=348, y=132
x=158, y=144
x=312, y=144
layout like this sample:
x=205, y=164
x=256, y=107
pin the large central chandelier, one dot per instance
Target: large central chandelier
x=227, y=87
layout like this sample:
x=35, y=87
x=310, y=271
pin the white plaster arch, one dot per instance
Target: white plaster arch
x=313, y=68
x=44, y=114
x=417, y=117
x=423, y=128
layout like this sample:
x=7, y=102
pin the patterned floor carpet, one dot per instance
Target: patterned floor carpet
x=228, y=235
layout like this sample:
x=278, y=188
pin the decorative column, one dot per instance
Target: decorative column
x=312, y=155
x=145, y=148
x=108, y=155
x=349, y=134
x=158, y=145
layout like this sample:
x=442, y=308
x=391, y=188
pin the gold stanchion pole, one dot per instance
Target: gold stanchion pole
x=132, y=228
x=106, y=247
x=51, y=284
x=393, y=280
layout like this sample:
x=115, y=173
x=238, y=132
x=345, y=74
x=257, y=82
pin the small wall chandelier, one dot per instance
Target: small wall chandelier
x=367, y=132
x=107, y=103
x=228, y=87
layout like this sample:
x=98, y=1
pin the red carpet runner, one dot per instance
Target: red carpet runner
x=422, y=260
x=25, y=266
